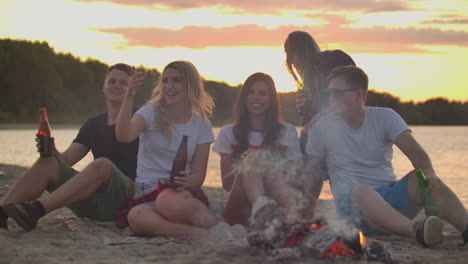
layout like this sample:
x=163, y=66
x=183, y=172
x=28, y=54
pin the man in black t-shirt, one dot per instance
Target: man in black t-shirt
x=100, y=138
x=98, y=190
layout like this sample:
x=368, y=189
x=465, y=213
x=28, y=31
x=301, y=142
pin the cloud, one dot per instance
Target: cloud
x=262, y=6
x=457, y=21
x=198, y=37
x=373, y=40
x=451, y=19
x=408, y=36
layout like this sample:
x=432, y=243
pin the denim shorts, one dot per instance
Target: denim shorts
x=395, y=194
x=144, y=188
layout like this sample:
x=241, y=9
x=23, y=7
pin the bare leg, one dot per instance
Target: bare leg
x=33, y=182
x=237, y=208
x=80, y=186
x=181, y=207
x=379, y=214
x=145, y=221
x=279, y=189
x=282, y=193
x=450, y=207
x=252, y=182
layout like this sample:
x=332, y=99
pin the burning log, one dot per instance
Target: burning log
x=286, y=253
x=329, y=244
x=316, y=239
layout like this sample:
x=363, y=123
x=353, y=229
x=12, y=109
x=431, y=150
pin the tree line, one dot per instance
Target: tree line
x=33, y=75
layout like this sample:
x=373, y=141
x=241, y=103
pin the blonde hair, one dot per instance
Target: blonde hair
x=198, y=100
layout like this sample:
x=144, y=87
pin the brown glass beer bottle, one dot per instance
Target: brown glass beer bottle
x=180, y=160
x=44, y=135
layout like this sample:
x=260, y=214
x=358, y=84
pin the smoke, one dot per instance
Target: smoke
x=276, y=170
x=340, y=225
x=281, y=177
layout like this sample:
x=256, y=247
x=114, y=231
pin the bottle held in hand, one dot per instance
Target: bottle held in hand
x=180, y=160
x=304, y=114
x=304, y=95
x=430, y=205
x=45, y=143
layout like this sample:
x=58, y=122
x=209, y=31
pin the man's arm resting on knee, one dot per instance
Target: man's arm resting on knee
x=313, y=182
x=416, y=154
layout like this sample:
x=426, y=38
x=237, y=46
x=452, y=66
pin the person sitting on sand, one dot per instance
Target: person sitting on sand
x=356, y=143
x=179, y=106
x=95, y=192
x=257, y=152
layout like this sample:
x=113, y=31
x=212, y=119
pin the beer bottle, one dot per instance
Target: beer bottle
x=44, y=135
x=304, y=112
x=180, y=160
x=430, y=206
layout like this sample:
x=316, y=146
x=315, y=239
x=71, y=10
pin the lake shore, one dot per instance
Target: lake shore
x=11, y=126
x=60, y=237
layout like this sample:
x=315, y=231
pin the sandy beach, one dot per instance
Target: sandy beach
x=60, y=237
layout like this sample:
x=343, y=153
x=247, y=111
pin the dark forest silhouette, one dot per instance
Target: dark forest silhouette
x=33, y=75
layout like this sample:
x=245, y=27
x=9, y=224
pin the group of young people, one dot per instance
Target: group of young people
x=261, y=156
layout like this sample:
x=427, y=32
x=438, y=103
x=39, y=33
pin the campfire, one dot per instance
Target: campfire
x=316, y=239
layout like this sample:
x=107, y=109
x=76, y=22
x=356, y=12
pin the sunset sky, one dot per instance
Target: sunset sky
x=415, y=49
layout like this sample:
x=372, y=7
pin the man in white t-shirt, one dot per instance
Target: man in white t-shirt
x=355, y=142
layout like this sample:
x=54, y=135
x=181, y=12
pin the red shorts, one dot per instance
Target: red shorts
x=150, y=197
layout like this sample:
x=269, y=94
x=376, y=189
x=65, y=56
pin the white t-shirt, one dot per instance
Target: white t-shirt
x=357, y=156
x=156, y=154
x=288, y=141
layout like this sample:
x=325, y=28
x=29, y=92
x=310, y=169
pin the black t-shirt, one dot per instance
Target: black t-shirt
x=328, y=60
x=101, y=140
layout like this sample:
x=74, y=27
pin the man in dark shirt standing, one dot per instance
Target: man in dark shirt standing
x=98, y=190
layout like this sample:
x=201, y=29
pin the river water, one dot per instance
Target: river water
x=447, y=147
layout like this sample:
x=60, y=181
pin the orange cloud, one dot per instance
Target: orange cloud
x=260, y=6
x=368, y=40
x=456, y=21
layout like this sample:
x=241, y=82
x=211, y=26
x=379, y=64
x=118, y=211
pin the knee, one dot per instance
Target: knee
x=48, y=164
x=359, y=192
x=102, y=166
x=102, y=163
x=134, y=215
x=252, y=174
x=169, y=200
x=272, y=176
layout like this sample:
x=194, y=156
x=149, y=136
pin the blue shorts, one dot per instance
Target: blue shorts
x=395, y=194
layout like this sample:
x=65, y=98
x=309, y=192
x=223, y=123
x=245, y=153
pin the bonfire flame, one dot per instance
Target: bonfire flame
x=338, y=249
x=362, y=240
x=315, y=226
x=318, y=239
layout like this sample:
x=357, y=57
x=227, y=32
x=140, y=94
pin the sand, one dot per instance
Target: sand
x=61, y=237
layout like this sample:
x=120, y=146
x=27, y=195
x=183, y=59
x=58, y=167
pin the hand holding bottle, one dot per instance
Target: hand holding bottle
x=300, y=102
x=44, y=135
x=53, y=149
x=428, y=185
x=434, y=183
x=182, y=181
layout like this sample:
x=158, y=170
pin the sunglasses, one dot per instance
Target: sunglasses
x=339, y=92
